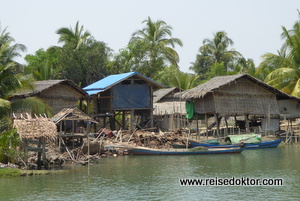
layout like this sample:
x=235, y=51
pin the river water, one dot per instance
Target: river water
x=157, y=178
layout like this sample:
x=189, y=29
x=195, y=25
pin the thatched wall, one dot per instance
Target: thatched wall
x=205, y=105
x=174, y=107
x=60, y=97
x=58, y=94
x=289, y=108
x=238, y=98
x=171, y=122
x=39, y=128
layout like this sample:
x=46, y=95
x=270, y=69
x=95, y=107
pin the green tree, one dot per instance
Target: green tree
x=11, y=82
x=43, y=64
x=283, y=69
x=172, y=77
x=214, y=51
x=244, y=66
x=184, y=81
x=157, y=43
x=85, y=65
x=9, y=51
x=133, y=58
x=75, y=37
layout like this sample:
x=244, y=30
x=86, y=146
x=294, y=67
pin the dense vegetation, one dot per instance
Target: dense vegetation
x=150, y=51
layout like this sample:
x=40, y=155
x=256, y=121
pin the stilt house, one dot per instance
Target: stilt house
x=241, y=95
x=117, y=97
x=58, y=94
x=73, y=126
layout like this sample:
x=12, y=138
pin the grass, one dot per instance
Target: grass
x=10, y=172
x=13, y=172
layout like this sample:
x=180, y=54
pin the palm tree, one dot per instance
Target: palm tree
x=74, y=37
x=284, y=67
x=184, y=81
x=8, y=50
x=215, y=51
x=158, y=37
x=10, y=82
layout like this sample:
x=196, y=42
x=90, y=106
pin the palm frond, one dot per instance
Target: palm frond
x=33, y=105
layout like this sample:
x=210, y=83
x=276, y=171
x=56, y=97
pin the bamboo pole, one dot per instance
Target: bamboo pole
x=189, y=133
x=71, y=155
x=206, y=125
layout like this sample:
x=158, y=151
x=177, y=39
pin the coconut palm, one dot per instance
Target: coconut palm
x=74, y=37
x=11, y=82
x=216, y=50
x=158, y=37
x=184, y=81
x=8, y=50
x=284, y=67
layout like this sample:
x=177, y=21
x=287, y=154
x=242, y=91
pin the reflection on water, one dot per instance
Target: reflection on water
x=157, y=178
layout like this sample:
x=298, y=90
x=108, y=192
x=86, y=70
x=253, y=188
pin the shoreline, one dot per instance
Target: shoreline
x=15, y=172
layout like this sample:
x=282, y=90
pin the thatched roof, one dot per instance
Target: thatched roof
x=71, y=114
x=40, y=86
x=159, y=94
x=36, y=128
x=220, y=81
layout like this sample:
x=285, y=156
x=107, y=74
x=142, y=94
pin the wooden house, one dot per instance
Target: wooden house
x=242, y=95
x=58, y=94
x=169, y=110
x=123, y=95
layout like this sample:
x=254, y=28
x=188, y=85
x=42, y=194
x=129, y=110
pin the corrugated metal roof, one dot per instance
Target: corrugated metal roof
x=112, y=80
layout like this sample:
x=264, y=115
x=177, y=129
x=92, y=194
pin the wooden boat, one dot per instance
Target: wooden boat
x=172, y=151
x=259, y=145
x=180, y=146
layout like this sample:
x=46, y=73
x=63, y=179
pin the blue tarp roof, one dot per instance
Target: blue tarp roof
x=111, y=80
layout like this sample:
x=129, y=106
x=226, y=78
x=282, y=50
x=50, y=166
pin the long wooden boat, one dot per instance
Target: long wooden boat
x=260, y=145
x=172, y=151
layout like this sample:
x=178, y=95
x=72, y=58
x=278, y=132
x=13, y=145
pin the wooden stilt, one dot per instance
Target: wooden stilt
x=45, y=162
x=226, y=123
x=132, y=120
x=206, y=125
x=39, y=162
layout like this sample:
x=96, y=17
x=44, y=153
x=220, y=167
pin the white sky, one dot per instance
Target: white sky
x=254, y=26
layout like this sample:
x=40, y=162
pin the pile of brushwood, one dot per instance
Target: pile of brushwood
x=97, y=146
x=157, y=140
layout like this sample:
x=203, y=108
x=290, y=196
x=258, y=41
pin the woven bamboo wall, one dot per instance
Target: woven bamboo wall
x=172, y=107
x=60, y=97
x=205, y=105
x=289, y=108
x=239, y=98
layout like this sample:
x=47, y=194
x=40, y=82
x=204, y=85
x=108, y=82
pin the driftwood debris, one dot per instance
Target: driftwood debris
x=148, y=139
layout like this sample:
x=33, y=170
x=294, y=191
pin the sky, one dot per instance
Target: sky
x=255, y=26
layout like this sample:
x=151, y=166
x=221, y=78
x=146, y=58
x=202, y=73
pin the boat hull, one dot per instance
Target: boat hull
x=261, y=145
x=140, y=151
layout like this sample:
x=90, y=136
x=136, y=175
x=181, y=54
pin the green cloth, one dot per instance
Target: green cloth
x=247, y=138
x=190, y=110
